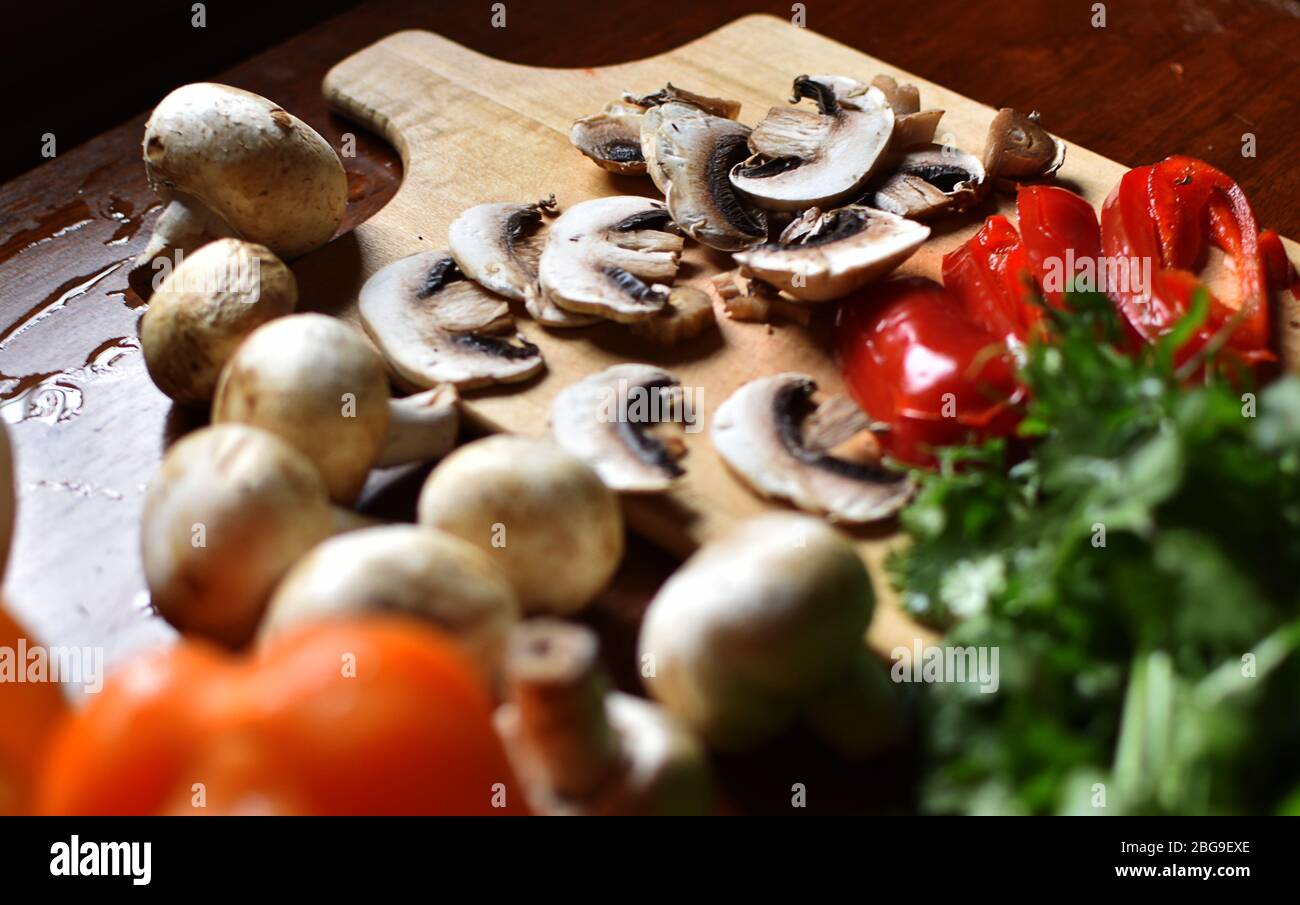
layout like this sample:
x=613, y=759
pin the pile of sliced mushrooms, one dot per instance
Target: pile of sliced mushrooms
x=248, y=528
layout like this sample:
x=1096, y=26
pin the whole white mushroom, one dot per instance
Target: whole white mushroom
x=228, y=162
x=766, y=626
x=543, y=517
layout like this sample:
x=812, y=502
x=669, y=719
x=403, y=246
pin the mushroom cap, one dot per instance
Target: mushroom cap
x=1018, y=148
x=756, y=431
x=611, y=257
x=844, y=250
x=400, y=568
x=434, y=326
x=607, y=418
x=316, y=383
x=264, y=172
x=756, y=620
x=805, y=159
x=205, y=308
x=543, y=517
x=690, y=154
x=230, y=510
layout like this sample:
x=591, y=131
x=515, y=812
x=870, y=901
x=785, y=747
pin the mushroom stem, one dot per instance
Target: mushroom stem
x=421, y=427
x=559, y=693
x=184, y=226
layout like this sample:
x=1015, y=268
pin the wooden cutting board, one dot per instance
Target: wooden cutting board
x=472, y=129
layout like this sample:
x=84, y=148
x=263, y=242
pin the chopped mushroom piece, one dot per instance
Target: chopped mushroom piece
x=758, y=432
x=804, y=159
x=1018, y=148
x=830, y=255
x=615, y=421
x=689, y=154
x=497, y=246
x=750, y=301
x=435, y=326
x=612, y=138
x=611, y=257
x=902, y=99
x=689, y=313
x=928, y=180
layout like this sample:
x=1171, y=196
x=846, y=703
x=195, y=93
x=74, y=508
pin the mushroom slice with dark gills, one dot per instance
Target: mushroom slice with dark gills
x=498, y=246
x=613, y=257
x=715, y=106
x=758, y=431
x=826, y=256
x=808, y=159
x=928, y=180
x=689, y=154
x=612, y=138
x=434, y=325
x=625, y=422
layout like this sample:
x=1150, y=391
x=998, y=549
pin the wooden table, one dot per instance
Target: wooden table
x=1174, y=76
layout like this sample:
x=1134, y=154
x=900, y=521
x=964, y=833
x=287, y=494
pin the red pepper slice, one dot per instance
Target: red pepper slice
x=1163, y=219
x=913, y=360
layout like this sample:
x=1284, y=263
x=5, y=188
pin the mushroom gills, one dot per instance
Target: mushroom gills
x=614, y=421
x=803, y=159
x=433, y=326
x=611, y=257
x=928, y=180
x=826, y=256
x=758, y=431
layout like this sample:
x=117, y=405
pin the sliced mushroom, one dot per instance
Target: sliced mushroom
x=829, y=255
x=749, y=300
x=435, y=326
x=758, y=432
x=611, y=257
x=612, y=138
x=497, y=245
x=804, y=159
x=928, y=180
x=689, y=154
x=1018, y=148
x=615, y=422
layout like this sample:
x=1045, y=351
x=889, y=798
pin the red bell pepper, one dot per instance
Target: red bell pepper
x=1167, y=217
x=934, y=363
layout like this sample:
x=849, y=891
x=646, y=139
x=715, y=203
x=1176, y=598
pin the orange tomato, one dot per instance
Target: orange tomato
x=374, y=716
x=29, y=712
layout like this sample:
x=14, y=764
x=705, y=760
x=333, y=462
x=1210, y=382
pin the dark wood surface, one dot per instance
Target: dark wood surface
x=1173, y=76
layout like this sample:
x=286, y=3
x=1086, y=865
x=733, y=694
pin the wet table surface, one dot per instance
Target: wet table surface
x=1174, y=76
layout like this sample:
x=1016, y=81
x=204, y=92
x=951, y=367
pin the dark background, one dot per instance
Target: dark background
x=75, y=69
